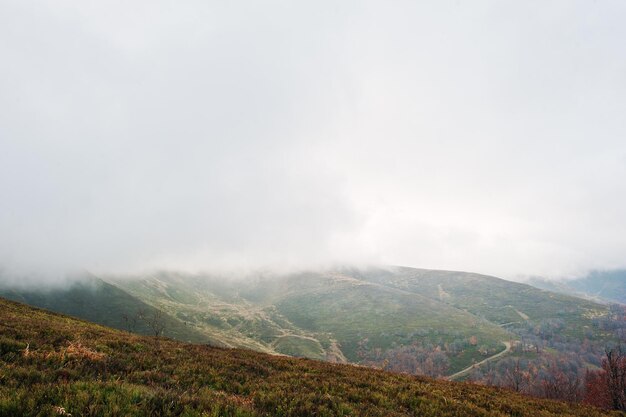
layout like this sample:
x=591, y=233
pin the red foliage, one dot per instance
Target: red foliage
x=597, y=390
x=560, y=386
x=607, y=388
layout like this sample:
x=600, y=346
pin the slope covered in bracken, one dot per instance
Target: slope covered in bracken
x=52, y=364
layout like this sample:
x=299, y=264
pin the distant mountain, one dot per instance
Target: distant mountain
x=56, y=365
x=602, y=286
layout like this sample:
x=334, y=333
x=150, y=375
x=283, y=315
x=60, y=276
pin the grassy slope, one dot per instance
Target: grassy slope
x=92, y=370
x=387, y=307
x=95, y=300
x=328, y=307
x=214, y=309
x=497, y=300
x=352, y=310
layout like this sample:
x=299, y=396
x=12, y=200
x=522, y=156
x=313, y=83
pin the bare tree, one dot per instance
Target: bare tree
x=155, y=320
x=559, y=386
x=515, y=377
x=615, y=367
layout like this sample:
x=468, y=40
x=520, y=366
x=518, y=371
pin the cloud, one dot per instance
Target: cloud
x=484, y=137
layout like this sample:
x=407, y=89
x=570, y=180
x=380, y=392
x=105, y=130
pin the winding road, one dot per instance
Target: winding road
x=476, y=365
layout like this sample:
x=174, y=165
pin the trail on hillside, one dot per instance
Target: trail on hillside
x=519, y=313
x=476, y=365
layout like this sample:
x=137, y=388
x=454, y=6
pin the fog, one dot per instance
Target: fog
x=235, y=136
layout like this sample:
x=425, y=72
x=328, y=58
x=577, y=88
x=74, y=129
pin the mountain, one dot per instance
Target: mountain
x=602, y=286
x=57, y=365
x=419, y=321
x=331, y=315
x=371, y=316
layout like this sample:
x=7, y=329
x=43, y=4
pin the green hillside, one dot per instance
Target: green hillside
x=332, y=315
x=354, y=311
x=358, y=315
x=497, y=300
x=405, y=319
x=92, y=299
x=53, y=365
x=214, y=308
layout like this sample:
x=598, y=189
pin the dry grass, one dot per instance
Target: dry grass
x=51, y=364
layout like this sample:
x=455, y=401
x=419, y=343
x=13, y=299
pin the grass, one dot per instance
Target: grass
x=494, y=299
x=383, y=316
x=300, y=347
x=469, y=354
x=49, y=361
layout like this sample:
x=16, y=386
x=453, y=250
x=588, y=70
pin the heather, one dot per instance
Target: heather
x=56, y=365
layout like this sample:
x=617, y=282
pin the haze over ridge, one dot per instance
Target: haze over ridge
x=484, y=137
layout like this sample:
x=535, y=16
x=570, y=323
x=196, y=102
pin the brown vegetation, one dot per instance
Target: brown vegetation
x=50, y=362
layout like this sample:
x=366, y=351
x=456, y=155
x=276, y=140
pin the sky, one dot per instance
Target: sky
x=485, y=136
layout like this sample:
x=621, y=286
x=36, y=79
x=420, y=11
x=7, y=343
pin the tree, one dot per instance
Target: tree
x=615, y=367
x=515, y=377
x=596, y=389
x=155, y=320
x=559, y=386
x=607, y=388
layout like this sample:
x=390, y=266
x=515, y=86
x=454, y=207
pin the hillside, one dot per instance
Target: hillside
x=332, y=315
x=499, y=301
x=371, y=316
x=411, y=320
x=92, y=299
x=57, y=365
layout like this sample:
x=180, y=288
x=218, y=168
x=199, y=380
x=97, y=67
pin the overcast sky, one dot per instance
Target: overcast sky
x=471, y=135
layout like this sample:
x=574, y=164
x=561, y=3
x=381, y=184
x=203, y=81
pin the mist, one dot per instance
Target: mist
x=484, y=136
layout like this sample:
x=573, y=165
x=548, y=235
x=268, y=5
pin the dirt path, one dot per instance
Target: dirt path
x=334, y=353
x=522, y=315
x=509, y=323
x=476, y=365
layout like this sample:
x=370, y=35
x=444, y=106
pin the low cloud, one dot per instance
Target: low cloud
x=206, y=136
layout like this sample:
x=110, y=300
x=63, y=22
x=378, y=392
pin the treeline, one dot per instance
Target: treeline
x=423, y=356
x=548, y=360
x=556, y=376
x=413, y=359
x=549, y=364
x=563, y=378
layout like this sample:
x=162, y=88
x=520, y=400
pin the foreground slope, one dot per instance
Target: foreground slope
x=52, y=364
